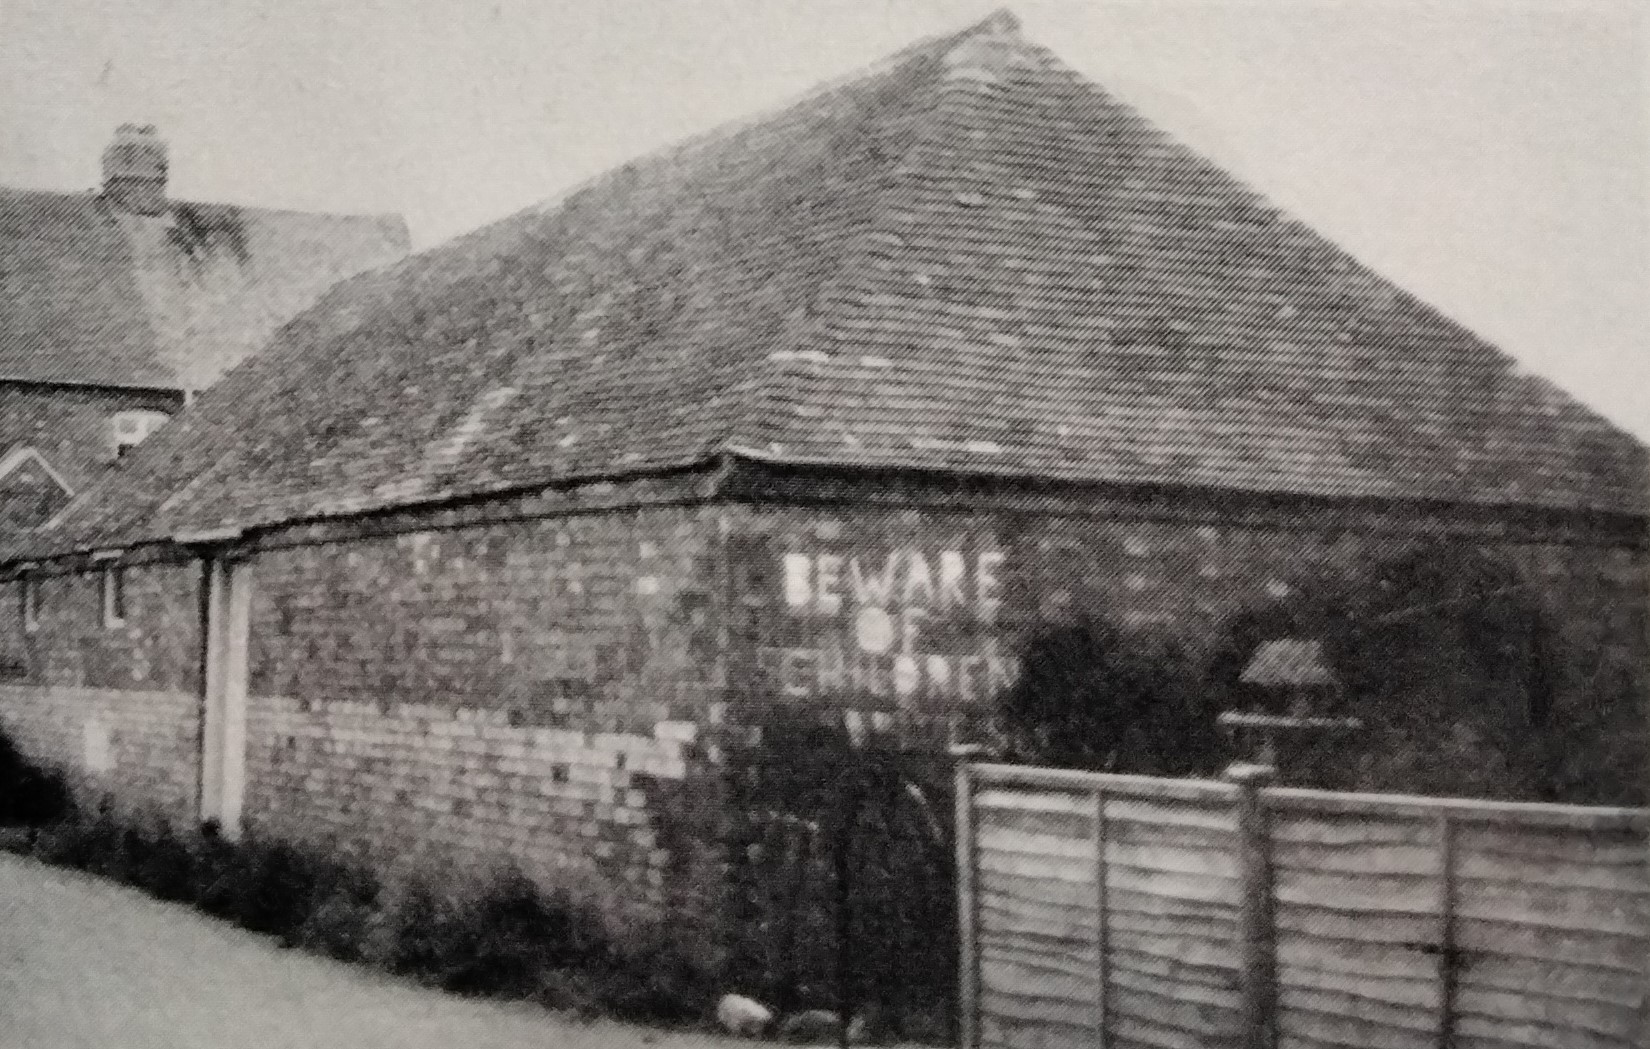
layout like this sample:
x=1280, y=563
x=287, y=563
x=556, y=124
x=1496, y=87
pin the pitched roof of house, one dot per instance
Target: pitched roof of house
x=93, y=294
x=967, y=258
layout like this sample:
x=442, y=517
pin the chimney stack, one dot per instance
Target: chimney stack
x=134, y=170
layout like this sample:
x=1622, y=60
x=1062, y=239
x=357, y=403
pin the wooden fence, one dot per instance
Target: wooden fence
x=1129, y=912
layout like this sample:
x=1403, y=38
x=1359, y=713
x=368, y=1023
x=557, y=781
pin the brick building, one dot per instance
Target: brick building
x=117, y=306
x=821, y=415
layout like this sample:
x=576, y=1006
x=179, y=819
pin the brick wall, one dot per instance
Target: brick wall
x=116, y=707
x=140, y=749
x=912, y=616
x=544, y=691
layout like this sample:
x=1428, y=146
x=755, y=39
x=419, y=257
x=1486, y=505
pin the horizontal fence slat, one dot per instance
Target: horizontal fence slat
x=1214, y=961
x=1519, y=1008
x=1332, y=832
x=1355, y=926
x=1417, y=989
x=1526, y=1034
x=1035, y=956
x=1319, y=1023
x=1061, y=893
x=1398, y=1017
x=1460, y=810
x=1561, y=984
x=1028, y=778
x=1005, y=1027
x=1356, y=858
x=1374, y=892
x=1001, y=976
x=1622, y=953
x=1580, y=910
x=1075, y=826
x=1354, y=958
x=994, y=838
x=1155, y=1006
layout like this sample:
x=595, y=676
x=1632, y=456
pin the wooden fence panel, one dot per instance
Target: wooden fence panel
x=1554, y=930
x=1037, y=919
x=1357, y=904
x=1120, y=912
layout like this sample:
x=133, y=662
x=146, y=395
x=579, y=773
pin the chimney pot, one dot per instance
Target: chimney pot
x=134, y=169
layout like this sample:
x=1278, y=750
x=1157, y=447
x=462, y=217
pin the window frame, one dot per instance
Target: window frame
x=112, y=591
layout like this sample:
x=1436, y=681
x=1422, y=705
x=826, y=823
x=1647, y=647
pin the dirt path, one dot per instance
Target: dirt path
x=85, y=963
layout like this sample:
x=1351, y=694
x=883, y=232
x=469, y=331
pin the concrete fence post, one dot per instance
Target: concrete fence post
x=968, y=962
x=1258, y=956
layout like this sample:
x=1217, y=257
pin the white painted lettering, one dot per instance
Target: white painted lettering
x=907, y=676
x=953, y=573
x=919, y=582
x=873, y=589
x=986, y=584
x=827, y=577
x=798, y=580
x=939, y=675
x=793, y=672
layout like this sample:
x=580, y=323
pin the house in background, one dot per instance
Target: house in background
x=116, y=307
x=503, y=550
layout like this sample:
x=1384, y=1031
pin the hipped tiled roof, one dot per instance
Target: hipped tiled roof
x=91, y=294
x=968, y=258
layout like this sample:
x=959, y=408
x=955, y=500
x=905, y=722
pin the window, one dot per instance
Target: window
x=29, y=604
x=128, y=429
x=114, y=597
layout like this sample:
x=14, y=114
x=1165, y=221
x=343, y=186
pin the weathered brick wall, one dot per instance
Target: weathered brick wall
x=544, y=691
x=915, y=615
x=139, y=749
x=116, y=707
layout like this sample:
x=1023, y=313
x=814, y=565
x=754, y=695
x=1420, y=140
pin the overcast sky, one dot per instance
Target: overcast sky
x=1491, y=157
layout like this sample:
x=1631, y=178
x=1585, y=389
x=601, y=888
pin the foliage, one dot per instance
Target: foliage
x=1464, y=681
x=1093, y=696
x=29, y=795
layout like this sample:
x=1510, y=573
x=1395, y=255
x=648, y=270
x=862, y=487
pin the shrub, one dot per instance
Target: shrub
x=344, y=902
x=656, y=980
x=498, y=941
x=165, y=867
x=29, y=795
x=1093, y=696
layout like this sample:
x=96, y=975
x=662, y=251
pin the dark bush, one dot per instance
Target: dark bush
x=344, y=903
x=1093, y=696
x=165, y=867
x=656, y=981
x=29, y=795
x=501, y=940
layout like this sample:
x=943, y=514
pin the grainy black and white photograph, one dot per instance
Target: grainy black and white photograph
x=1081, y=524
